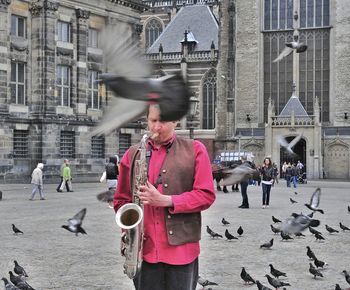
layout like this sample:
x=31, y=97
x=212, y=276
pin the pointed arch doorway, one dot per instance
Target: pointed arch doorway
x=299, y=150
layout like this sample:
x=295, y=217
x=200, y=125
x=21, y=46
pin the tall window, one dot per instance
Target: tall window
x=63, y=85
x=278, y=14
x=93, y=38
x=98, y=147
x=18, y=83
x=67, y=144
x=20, y=143
x=153, y=29
x=209, y=101
x=124, y=143
x=93, y=92
x=63, y=31
x=18, y=26
x=313, y=71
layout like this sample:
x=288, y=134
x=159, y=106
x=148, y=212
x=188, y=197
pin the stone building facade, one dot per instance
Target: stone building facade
x=49, y=98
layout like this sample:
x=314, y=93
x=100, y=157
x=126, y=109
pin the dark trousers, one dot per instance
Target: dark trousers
x=161, y=276
x=266, y=188
x=244, y=186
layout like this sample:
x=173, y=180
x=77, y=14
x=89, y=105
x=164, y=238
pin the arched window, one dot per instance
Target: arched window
x=209, y=101
x=153, y=29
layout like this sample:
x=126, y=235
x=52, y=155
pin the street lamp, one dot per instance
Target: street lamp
x=239, y=136
x=192, y=113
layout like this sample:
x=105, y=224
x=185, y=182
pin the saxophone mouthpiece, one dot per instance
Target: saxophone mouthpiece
x=153, y=135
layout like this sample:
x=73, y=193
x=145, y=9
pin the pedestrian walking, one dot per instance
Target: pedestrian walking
x=268, y=178
x=66, y=178
x=37, y=181
x=61, y=183
x=244, y=184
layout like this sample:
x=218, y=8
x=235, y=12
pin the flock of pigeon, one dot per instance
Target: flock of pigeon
x=292, y=227
x=18, y=282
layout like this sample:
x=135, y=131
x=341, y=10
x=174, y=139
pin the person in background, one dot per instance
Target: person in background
x=284, y=168
x=244, y=183
x=294, y=173
x=268, y=178
x=61, y=184
x=37, y=181
x=67, y=178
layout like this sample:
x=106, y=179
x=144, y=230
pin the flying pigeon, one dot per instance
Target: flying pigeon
x=298, y=223
x=267, y=245
x=16, y=230
x=237, y=175
x=106, y=196
x=299, y=47
x=129, y=78
x=289, y=146
x=74, y=224
x=315, y=201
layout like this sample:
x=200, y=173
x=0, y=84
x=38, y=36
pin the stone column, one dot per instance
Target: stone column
x=4, y=50
x=81, y=84
x=43, y=57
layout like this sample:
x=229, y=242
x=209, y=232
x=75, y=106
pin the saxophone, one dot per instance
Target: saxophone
x=129, y=217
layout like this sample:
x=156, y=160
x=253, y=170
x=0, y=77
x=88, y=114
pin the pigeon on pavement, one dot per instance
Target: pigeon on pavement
x=225, y=222
x=344, y=228
x=19, y=270
x=261, y=286
x=16, y=230
x=267, y=245
x=292, y=200
x=275, y=230
x=8, y=285
x=331, y=230
x=314, y=232
x=229, y=236
x=314, y=271
x=310, y=253
x=286, y=237
x=275, y=220
x=276, y=283
x=212, y=233
x=276, y=273
x=319, y=237
x=204, y=282
x=240, y=231
x=319, y=263
x=347, y=276
x=315, y=201
x=74, y=223
x=246, y=277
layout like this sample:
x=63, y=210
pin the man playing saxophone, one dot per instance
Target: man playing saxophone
x=178, y=188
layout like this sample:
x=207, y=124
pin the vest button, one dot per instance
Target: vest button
x=169, y=216
x=164, y=170
x=170, y=232
x=165, y=185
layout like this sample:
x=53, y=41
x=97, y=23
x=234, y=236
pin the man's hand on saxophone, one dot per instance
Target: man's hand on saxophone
x=151, y=196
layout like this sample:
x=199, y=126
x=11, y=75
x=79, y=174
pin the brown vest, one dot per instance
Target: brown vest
x=177, y=177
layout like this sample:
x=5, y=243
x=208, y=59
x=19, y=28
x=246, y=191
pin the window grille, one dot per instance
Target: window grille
x=209, y=101
x=94, y=101
x=18, y=83
x=153, y=29
x=18, y=26
x=63, y=31
x=67, y=144
x=124, y=143
x=93, y=38
x=98, y=147
x=63, y=83
x=20, y=143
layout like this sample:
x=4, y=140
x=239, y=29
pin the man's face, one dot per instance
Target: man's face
x=164, y=129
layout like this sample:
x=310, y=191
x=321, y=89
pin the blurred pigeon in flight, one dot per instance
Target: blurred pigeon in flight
x=289, y=146
x=315, y=201
x=297, y=224
x=129, y=78
x=106, y=196
x=237, y=175
x=74, y=224
x=299, y=47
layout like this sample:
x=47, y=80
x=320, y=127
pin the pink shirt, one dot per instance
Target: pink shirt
x=156, y=247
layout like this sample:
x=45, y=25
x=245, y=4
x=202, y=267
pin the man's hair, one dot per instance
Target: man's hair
x=153, y=105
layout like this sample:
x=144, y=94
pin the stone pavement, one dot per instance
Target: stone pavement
x=56, y=259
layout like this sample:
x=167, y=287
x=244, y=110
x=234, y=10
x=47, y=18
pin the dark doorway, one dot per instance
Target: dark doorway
x=299, y=150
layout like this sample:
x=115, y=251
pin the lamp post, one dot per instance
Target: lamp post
x=192, y=113
x=239, y=135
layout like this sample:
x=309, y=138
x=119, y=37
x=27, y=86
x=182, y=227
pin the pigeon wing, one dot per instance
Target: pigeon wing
x=78, y=218
x=285, y=52
x=295, y=141
x=315, y=198
x=237, y=175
